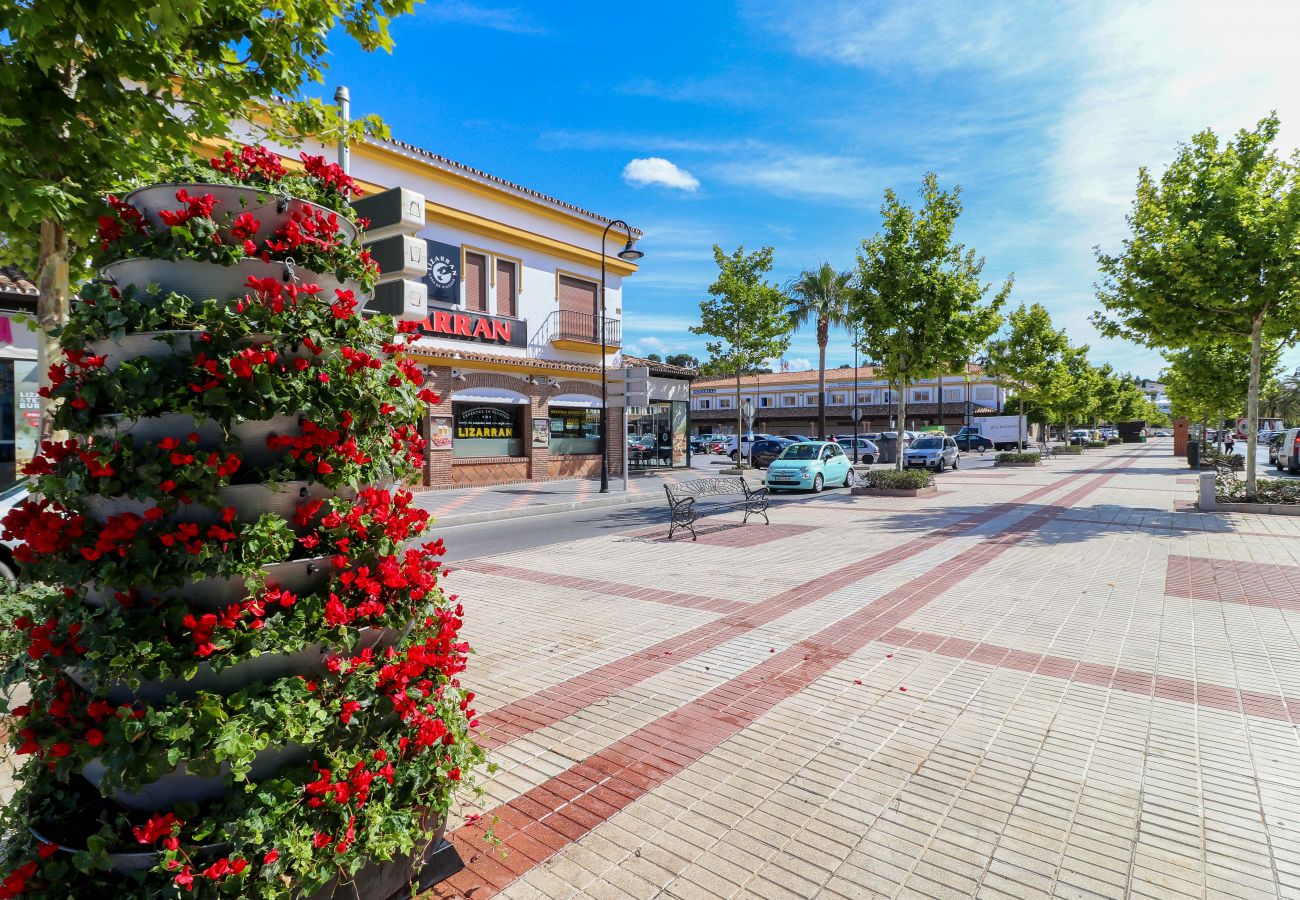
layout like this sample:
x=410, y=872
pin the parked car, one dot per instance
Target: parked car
x=1163, y=432
x=761, y=453
x=703, y=443
x=9, y=498
x=868, y=452
x=809, y=465
x=642, y=442
x=794, y=437
x=932, y=452
x=729, y=445
x=970, y=439
x=1274, y=445
x=1080, y=436
x=1288, y=451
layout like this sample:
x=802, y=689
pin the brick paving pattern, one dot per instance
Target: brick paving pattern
x=1044, y=683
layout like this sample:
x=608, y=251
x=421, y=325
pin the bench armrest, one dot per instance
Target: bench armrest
x=756, y=493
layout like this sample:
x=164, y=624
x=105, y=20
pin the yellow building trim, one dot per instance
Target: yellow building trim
x=475, y=223
x=525, y=366
x=494, y=192
x=592, y=346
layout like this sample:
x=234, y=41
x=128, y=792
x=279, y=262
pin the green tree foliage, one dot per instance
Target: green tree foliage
x=94, y=96
x=820, y=296
x=1213, y=256
x=685, y=360
x=1209, y=383
x=1074, y=387
x=748, y=317
x=920, y=305
x=1027, y=355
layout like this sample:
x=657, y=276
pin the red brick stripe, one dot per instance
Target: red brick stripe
x=544, y=820
x=612, y=588
x=1233, y=581
x=1132, y=681
x=546, y=707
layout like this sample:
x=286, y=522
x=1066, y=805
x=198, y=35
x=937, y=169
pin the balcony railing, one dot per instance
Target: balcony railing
x=584, y=328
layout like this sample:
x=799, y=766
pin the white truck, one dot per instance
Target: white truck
x=1003, y=431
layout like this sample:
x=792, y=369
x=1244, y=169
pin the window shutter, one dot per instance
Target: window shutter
x=506, y=289
x=475, y=278
x=578, y=296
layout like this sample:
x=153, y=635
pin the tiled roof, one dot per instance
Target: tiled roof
x=493, y=179
x=809, y=376
x=661, y=368
x=12, y=281
x=808, y=413
x=469, y=357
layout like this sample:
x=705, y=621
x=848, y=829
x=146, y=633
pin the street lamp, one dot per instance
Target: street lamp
x=855, y=395
x=747, y=410
x=631, y=254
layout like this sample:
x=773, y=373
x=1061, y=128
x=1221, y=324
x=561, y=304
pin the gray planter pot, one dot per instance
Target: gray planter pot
x=147, y=344
x=250, y=502
x=137, y=862
x=209, y=281
x=302, y=577
x=266, y=667
x=179, y=786
x=251, y=435
x=271, y=210
x=894, y=492
x=390, y=879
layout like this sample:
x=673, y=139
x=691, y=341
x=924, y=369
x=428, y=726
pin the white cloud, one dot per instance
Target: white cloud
x=657, y=170
x=796, y=364
x=809, y=175
x=462, y=12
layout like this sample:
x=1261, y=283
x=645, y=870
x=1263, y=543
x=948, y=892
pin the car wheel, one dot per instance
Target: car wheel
x=818, y=484
x=942, y=465
x=734, y=456
x=848, y=478
x=956, y=462
x=1277, y=464
x=869, y=460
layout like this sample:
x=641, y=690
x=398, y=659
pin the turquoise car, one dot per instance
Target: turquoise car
x=809, y=466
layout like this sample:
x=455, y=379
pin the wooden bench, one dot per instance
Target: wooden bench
x=683, y=512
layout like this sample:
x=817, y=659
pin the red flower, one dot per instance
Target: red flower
x=157, y=827
x=271, y=856
x=350, y=708
x=94, y=737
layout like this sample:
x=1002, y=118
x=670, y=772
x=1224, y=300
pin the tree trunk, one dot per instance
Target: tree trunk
x=51, y=309
x=1020, y=427
x=823, y=337
x=939, y=387
x=1252, y=401
x=740, y=433
x=902, y=418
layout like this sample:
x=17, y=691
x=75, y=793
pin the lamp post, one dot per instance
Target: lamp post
x=855, y=395
x=629, y=253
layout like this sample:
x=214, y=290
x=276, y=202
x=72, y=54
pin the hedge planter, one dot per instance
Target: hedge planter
x=250, y=502
x=1017, y=465
x=864, y=491
x=251, y=435
x=301, y=577
x=147, y=344
x=270, y=210
x=209, y=280
x=179, y=786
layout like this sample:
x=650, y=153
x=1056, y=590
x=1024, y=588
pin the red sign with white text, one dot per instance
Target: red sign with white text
x=478, y=327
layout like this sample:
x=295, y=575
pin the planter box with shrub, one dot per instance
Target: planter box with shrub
x=1017, y=459
x=893, y=483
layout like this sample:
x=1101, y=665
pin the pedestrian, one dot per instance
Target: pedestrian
x=1228, y=444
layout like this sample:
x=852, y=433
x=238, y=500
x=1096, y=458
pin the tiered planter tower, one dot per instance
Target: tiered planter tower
x=243, y=670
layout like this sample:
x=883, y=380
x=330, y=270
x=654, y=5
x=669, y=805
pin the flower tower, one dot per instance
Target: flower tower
x=243, y=670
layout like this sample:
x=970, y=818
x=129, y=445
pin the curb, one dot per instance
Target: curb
x=543, y=509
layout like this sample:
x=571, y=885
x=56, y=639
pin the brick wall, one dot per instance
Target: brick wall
x=537, y=464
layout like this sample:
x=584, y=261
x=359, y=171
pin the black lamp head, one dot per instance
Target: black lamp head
x=630, y=252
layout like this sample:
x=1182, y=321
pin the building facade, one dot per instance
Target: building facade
x=20, y=411
x=658, y=433
x=512, y=342
x=786, y=402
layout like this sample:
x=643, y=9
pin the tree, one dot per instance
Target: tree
x=1074, y=386
x=1025, y=357
x=747, y=315
x=96, y=96
x=1213, y=256
x=654, y=357
x=920, y=304
x=1119, y=399
x=820, y=296
x=1210, y=383
x=685, y=360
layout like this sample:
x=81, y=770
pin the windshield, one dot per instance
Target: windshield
x=801, y=451
x=927, y=443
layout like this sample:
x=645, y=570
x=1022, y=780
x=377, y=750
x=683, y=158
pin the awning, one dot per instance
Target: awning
x=489, y=395
x=581, y=401
x=9, y=351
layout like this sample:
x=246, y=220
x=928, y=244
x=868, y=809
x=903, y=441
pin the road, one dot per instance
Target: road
x=510, y=535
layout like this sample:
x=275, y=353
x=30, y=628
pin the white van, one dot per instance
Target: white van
x=1288, y=453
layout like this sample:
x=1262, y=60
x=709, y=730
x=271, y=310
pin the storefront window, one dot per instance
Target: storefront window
x=574, y=431
x=657, y=435
x=487, y=429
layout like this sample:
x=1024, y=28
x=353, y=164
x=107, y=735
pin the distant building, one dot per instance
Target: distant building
x=1155, y=392
x=19, y=405
x=786, y=402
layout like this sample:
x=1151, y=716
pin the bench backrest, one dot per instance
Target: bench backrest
x=706, y=487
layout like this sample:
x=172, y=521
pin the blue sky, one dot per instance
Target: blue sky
x=781, y=123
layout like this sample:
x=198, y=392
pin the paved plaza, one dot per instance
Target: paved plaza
x=1055, y=681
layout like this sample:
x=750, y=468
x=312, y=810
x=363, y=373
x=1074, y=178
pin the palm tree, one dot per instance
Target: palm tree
x=821, y=296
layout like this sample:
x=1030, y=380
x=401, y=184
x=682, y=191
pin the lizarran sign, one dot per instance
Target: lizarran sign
x=481, y=328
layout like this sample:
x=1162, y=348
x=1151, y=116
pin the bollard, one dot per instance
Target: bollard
x=1194, y=454
x=1205, y=501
